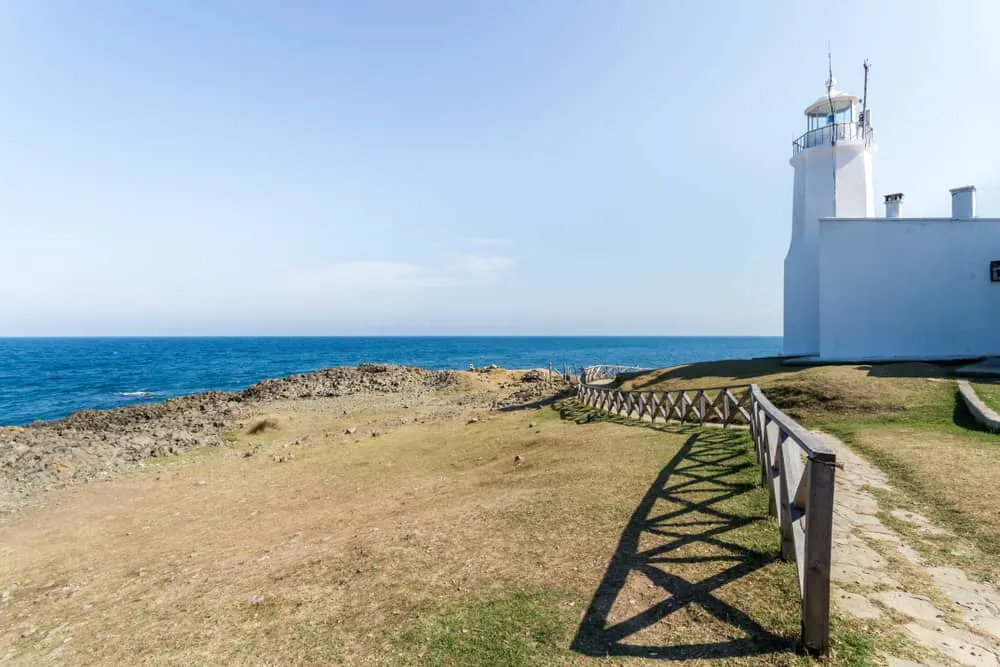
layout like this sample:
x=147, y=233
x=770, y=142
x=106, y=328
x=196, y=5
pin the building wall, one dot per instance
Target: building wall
x=908, y=288
x=815, y=197
x=855, y=193
x=801, y=309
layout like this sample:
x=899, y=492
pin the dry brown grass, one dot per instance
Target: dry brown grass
x=946, y=474
x=426, y=545
x=819, y=394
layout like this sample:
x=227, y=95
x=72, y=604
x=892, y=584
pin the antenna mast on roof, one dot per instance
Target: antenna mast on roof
x=829, y=95
x=829, y=65
x=833, y=120
x=864, y=100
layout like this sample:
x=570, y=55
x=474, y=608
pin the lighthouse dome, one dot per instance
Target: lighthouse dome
x=840, y=100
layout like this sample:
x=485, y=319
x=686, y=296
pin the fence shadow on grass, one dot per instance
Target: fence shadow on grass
x=685, y=556
x=559, y=397
x=731, y=372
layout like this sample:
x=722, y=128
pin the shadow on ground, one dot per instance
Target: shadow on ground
x=766, y=370
x=740, y=371
x=680, y=540
x=562, y=395
x=962, y=417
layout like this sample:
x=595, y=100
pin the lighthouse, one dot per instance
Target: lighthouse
x=833, y=179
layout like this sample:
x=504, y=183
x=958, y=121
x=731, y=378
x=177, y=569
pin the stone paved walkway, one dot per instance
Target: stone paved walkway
x=945, y=611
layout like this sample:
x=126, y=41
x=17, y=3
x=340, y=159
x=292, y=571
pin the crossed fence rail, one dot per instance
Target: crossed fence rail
x=797, y=469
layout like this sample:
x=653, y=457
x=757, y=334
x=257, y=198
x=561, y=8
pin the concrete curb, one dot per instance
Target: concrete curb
x=982, y=412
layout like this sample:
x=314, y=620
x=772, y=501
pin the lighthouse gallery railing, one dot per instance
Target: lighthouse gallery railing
x=828, y=134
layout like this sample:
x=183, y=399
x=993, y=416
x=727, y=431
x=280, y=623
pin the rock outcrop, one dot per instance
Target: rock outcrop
x=96, y=444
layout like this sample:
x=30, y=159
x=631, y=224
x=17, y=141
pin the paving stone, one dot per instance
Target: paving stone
x=922, y=523
x=882, y=534
x=911, y=554
x=856, y=605
x=959, y=645
x=848, y=573
x=988, y=624
x=979, y=602
x=914, y=606
x=855, y=551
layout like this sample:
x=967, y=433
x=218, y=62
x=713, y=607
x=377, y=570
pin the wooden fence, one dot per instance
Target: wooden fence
x=724, y=405
x=796, y=468
x=605, y=372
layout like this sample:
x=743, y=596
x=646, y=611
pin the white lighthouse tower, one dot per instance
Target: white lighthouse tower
x=833, y=179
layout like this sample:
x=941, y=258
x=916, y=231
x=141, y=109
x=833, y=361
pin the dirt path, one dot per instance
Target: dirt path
x=877, y=575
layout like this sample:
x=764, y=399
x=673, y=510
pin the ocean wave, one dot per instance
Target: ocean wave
x=135, y=394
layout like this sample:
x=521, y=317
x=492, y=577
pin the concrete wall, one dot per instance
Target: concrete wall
x=815, y=196
x=981, y=412
x=892, y=288
x=801, y=305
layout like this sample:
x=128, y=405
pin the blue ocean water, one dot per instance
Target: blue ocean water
x=48, y=378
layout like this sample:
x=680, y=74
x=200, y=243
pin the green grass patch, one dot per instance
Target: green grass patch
x=516, y=628
x=989, y=392
x=851, y=646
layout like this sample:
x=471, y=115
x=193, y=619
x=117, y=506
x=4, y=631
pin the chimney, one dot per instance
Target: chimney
x=963, y=203
x=894, y=205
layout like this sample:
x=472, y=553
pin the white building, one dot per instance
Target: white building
x=858, y=287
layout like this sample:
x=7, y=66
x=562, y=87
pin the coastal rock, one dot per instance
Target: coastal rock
x=100, y=444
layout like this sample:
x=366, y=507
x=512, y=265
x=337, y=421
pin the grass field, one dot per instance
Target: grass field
x=905, y=418
x=990, y=393
x=427, y=545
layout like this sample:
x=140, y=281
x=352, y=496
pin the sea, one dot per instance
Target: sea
x=49, y=378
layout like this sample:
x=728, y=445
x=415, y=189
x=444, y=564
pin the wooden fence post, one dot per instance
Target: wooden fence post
x=762, y=445
x=819, y=543
x=772, y=435
x=785, y=501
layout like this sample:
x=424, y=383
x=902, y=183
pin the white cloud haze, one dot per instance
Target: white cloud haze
x=361, y=278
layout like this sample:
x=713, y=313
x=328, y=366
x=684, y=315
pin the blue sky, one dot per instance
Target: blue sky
x=514, y=167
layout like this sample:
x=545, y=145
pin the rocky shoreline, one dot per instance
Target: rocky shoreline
x=99, y=444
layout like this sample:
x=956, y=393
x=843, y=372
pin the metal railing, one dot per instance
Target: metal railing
x=829, y=134
x=796, y=468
